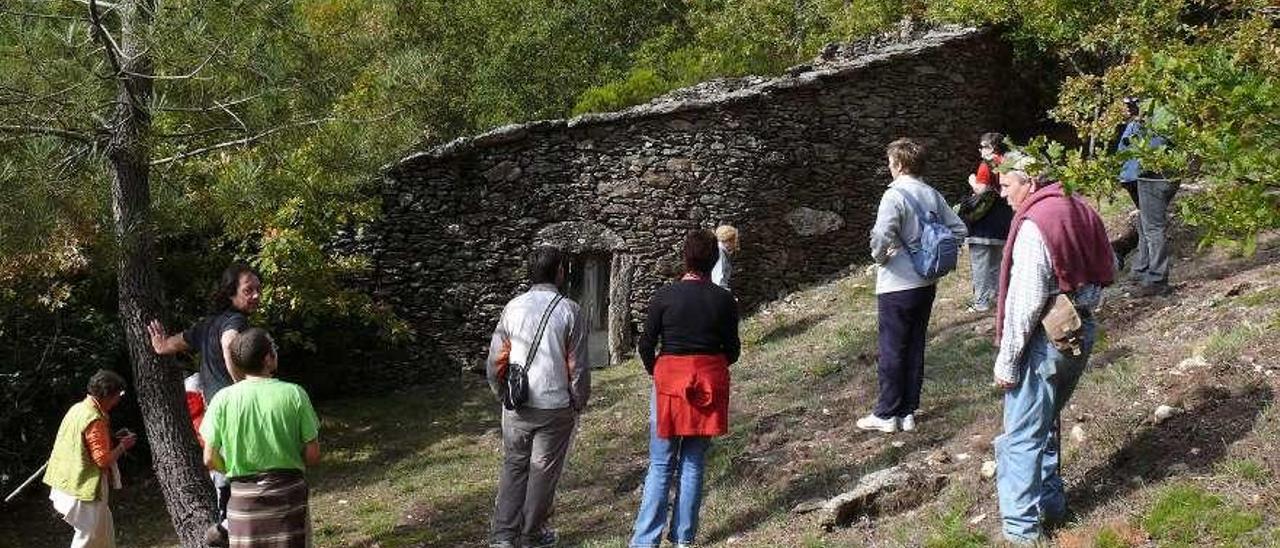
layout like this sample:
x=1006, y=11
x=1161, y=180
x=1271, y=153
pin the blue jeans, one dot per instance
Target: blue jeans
x=682, y=456
x=1027, y=453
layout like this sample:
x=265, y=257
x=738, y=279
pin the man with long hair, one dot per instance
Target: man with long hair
x=237, y=296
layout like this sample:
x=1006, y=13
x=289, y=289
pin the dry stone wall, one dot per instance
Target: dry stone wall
x=795, y=162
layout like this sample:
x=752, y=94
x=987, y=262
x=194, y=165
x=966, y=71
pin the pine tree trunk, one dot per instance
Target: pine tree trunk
x=175, y=458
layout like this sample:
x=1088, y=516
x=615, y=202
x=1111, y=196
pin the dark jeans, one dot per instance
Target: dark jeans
x=904, y=318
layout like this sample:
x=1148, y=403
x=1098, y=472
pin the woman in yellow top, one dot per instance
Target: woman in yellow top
x=83, y=461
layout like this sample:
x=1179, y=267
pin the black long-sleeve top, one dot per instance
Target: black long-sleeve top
x=691, y=316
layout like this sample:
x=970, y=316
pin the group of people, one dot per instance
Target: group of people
x=690, y=338
x=1039, y=256
x=258, y=433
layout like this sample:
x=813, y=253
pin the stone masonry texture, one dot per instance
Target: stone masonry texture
x=795, y=162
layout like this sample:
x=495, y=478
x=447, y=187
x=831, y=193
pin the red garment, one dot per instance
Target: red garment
x=1076, y=238
x=692, y=394
x=195, y=407
x=988, y=176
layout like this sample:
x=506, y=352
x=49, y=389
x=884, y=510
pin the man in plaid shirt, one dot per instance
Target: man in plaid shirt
x=1057, y=245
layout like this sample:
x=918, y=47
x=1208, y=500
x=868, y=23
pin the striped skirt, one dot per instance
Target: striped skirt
x=269, y=510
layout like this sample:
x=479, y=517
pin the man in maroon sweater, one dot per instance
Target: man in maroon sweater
x=1057, y=246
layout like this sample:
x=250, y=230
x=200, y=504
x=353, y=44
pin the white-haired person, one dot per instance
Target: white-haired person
x=1055, y=264
x=727, y=242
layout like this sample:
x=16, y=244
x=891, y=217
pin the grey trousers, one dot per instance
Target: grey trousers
x=1151, y=260
x=535, y=445
x=985, y=262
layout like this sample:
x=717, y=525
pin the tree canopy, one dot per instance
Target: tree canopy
x=270, y=120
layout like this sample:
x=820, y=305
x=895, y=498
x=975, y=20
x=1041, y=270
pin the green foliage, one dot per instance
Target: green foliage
x=640, y=85
x=949, y=527
x=1186, y=515
x=1224, y=345
x=51, y=342
x=735, y=38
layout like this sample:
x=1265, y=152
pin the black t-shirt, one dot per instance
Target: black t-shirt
x=691, y=317
x=206, y=337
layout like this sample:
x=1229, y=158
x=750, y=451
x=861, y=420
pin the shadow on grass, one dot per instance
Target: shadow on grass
x=950, y=374
x=369, y=441
x=1222, y=417
x=786, y=330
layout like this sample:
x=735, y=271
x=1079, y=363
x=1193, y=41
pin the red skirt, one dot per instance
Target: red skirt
x=692, y=395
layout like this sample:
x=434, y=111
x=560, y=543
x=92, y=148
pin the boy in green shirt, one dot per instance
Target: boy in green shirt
x=262, y=433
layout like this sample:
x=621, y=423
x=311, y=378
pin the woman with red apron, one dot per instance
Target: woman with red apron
x=696, y=323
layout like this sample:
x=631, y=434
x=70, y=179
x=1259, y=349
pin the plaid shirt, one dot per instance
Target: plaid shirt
x=1032, y=286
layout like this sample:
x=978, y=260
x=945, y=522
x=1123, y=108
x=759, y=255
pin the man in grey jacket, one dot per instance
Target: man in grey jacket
x=904, y=299
x=536, y=435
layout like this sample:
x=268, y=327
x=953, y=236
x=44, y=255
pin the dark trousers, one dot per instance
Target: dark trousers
x=904, y=318
x=1131, y=187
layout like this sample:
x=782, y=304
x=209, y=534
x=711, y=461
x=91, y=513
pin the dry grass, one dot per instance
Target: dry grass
x=419, y=467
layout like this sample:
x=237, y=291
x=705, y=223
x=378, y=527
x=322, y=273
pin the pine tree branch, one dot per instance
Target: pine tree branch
x=110, y=7
x=187, y=76
x=267, y=133
x=53, y=131
x=240, y=142
x=38, y=15
x=113, y=52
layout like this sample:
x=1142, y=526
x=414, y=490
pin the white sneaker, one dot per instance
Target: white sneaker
x=909, y=423
x=872, y=422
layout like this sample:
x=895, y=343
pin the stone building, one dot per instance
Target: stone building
x=795, y=162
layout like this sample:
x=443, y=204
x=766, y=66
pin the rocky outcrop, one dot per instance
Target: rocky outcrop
x=887, y=491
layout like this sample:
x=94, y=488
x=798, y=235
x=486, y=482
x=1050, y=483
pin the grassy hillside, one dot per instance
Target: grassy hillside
x=419, y=467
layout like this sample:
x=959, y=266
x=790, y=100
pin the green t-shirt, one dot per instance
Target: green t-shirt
x=260, y=425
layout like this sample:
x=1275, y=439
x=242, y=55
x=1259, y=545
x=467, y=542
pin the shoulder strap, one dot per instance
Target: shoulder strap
x=542, y=327
x=920, y=213
x=920, y=220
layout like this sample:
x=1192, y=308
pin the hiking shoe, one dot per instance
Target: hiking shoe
x=872, y=422
x=909, y=423
x=977, y=308
x=547, y=539
x=216, y=535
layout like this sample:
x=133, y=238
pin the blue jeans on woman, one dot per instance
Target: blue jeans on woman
x=682, y=457
x=1027, y=453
